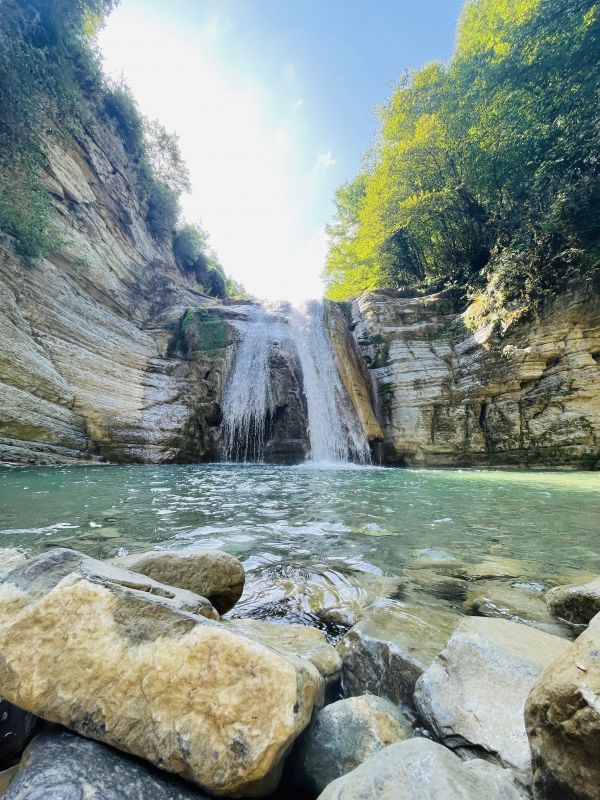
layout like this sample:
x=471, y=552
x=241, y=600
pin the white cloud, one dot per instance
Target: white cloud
x=326, y=160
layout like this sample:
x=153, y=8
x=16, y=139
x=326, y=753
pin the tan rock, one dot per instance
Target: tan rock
x=474, y=693
x=576, y=603
x=389, y=649
x=10, y=558
x=124, y=665
x=519, y=605
x=562, y=716
x=215, y=575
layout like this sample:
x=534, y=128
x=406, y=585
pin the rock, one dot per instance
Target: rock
x=576, y=603
x=497, y=567
x=10, y=558
x=299, y=640
x=419, y=769
x=343, y=735
x=6, y=777
x=562, y=716
x=58, y=765
x=502, y=601
x=16, y=728
x=210, y=573
x=388, y=650
x=474, y=693
x=129, y=668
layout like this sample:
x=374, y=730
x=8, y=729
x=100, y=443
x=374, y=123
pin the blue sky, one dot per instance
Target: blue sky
x=274, y=104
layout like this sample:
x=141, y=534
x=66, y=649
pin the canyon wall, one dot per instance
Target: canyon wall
x=526, y=394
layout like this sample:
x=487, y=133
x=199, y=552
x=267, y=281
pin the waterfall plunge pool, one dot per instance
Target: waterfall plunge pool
x=337, y=539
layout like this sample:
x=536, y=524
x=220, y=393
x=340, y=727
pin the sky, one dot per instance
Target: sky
x=274, y=104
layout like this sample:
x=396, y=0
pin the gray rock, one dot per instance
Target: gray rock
x=343, y=735
x=576, y=603
x=390, y=648
x=562, y=717
x=59, y=765
x=473, y=695
x=420, y=769
x=210, y=573
x=16, y=728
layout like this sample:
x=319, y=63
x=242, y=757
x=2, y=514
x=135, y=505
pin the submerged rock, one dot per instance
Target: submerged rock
x=562, y=716
x=59, y=765
x=10, y=558
x=343, y=735
x=576, y=603
x=504, y=602
x=210, y=573
x=474, y=693
x=127, y=667
x=16, y=728
x=420, y=769
x=390, y=648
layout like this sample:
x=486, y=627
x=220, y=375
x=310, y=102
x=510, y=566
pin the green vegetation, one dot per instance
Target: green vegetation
x=52, y=89
x=486, y=171
x=202, y=334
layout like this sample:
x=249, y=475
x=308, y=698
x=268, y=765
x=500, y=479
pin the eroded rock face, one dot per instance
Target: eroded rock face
x=210, y=573
x=527, y=393
x=391, y=647
x=577, y=603
x=473, y=695
x=123, y=664
x=342, y=736
x=59, y=765
x=562, y=716
x=419, y=769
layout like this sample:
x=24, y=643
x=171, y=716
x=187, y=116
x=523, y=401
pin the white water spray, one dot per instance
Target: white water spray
x=334, y=431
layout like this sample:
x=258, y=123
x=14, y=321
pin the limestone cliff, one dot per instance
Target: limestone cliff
x=85, y=367
x=526, y=394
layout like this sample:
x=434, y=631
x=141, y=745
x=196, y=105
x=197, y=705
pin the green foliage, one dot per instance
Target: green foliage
x=163, y=209
x=485, y=168
x=189, y=244
x=202, y=333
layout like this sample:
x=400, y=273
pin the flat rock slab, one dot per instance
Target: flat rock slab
x=562, y=717
x=342, y=736
x=390, y=648
x=126, y=667
x=473, y=695
x=59, y=765
x=576, y=603
x=419, y=769
x=299, y=640
x=209, y=573
x=502, y=601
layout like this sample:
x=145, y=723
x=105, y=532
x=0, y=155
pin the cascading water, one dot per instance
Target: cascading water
x=334, y=431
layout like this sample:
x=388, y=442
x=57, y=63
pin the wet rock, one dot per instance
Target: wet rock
x=562, y=717
x=210, y=573
x=6, y=777
x=389, y=649
x=576, y=603
x=10, y=558
x=59, y=765
x=474, y=693
x=127, y=667
x=16, y=728
x=299, y=640
x=497, y=567
x=502, y=601
x=342, y=736
x=419, y=769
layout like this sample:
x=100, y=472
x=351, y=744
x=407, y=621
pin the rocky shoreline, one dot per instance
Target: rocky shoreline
x=142, y=678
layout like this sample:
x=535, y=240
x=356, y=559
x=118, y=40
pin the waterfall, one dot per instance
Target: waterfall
x=334, y=431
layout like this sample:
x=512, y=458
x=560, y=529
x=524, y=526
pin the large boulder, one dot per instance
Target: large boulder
x=343, y=735
x=16, y=728
x=125, y=666
x=419, y=769
x=59, y=765
x=391, y=647
x=299, y=640
x=576, y=603
x=562, y=717
x=209, y=573
x=473, y=695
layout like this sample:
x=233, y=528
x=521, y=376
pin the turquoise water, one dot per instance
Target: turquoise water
x=358, y=525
